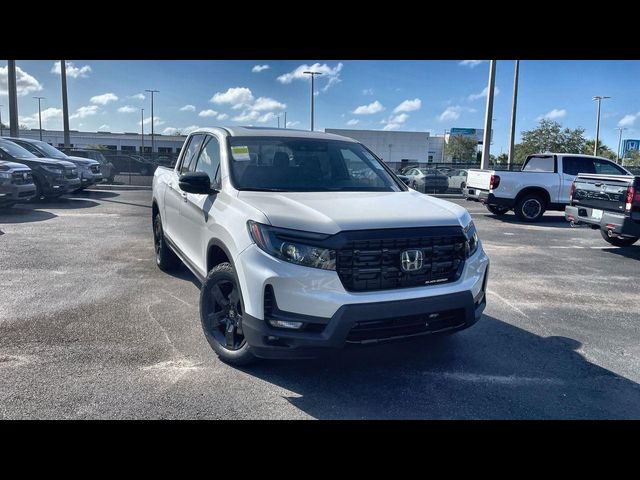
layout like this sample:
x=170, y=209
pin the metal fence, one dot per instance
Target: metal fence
x=123, y=167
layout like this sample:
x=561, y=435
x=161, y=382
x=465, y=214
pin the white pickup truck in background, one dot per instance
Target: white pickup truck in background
x=542, y=184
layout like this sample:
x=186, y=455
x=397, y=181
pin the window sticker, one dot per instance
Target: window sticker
x=240, y=153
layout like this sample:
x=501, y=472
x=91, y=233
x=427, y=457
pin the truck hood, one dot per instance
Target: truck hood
x=52, y=162
x=8, y=166
x=332, y=212
x=80, y=161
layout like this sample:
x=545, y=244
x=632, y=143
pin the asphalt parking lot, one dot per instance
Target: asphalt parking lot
x=90, y=328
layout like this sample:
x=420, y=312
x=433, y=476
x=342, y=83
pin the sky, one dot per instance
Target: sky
x=405, y=95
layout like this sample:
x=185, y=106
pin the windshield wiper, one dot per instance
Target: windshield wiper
x=263, y=189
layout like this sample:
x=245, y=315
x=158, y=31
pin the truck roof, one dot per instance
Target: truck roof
x=570, y=155
x=273, y=132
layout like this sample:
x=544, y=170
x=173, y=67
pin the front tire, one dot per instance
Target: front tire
x=530, y=208
x=221, y=311
x=618, y=241
x=497, y=210
x=166, y=259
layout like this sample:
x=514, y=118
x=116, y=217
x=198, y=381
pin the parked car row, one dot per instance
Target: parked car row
x=433, y=180
x=31, y=169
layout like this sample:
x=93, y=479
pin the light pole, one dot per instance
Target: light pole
x=620, y=140
x=285, y=120
x=65, y=103
x=514, y=103
x=278, y=121
x=444, y=142
x=40, y=115
x=1, y=126
x=13, y=99
x=153, y=140
x=486, y=141
x=142, y=132
x=599, y=100
x=313, y=76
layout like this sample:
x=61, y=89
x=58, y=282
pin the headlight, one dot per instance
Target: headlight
x=471, y=245
x=275, y=243
x=55, y=170
x=5, y=175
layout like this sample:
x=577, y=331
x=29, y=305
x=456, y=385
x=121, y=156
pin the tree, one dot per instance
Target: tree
x=632, y=159
x=549, y=136
x=461, y=148
x=603, y=150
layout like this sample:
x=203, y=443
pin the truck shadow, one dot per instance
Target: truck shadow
x=65, y=203
x=632, y=252
x=493, y=370
x=22, y=214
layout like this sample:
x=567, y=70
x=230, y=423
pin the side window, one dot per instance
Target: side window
x=607, y=168
x=195, y=142
x=209, y=160
x=575, y=165
x=540, y=164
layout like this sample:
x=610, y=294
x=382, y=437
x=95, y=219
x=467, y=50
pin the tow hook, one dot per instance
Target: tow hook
x=610, y=234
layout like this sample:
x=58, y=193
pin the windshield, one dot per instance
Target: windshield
x=49, y=151
x=14, y=150
x=306, y=165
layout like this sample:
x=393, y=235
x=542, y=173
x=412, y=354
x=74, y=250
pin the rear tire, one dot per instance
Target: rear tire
x=221, y=311
x=530, y=207
x=618, y=241
x=497, y=210
x=166, y=259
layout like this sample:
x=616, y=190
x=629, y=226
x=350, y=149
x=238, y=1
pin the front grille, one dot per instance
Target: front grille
x=95, y=168
x=376, y=330
x=375, y=263
x=21, y=178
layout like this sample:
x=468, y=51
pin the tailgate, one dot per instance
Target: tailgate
x=603, y=192
x=479, y=179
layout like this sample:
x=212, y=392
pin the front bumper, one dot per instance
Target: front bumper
x=317, y=296
x=10, y=193
x=618, y=223
x=59, y=186
x=90, y=178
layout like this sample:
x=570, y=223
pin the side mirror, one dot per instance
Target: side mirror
x=196, y=182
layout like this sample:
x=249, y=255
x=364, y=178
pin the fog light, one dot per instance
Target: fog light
x=286, y=324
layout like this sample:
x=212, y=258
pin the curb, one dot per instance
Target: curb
x=119, y=187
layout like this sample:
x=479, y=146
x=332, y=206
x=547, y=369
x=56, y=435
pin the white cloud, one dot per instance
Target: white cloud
x=222, y=116
x=71, y=70
x=246, y=116
x=84, y=112
x=292, y=124
x=476, y=96
x=25, y=83
x=104, y=98
x=49, y=115
x=408, y=106
x=394, y=122
x=471, y=63
x=367, y=91
x=104, y=127
x=628, y=120
x=171, y=131
x=267, y=117
x=127, y=109
x=329, y=74
x=188, y=108
x=237, y=97
x=208, y=113
x=260, y=68
x=189, y=129
x=156, y=121
x=138, y=96
x=450, y=114
x=553, y=114
x=353, y=121
x=373, y=107
x=264, y=104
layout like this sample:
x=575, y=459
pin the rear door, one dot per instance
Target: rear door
x=571, y=167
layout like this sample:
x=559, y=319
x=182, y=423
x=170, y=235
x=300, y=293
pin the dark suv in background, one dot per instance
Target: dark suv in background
x=88, y=169
x=52, y=178
x=16, y=184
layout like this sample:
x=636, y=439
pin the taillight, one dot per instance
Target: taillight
x=571, y=191
x=633, y=198
x=494, y=182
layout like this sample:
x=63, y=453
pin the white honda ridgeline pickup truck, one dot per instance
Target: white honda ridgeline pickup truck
x=542, y=184
x=306, y=240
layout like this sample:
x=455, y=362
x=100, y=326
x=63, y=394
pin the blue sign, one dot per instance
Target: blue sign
x=630, y=146
x=463, y=131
